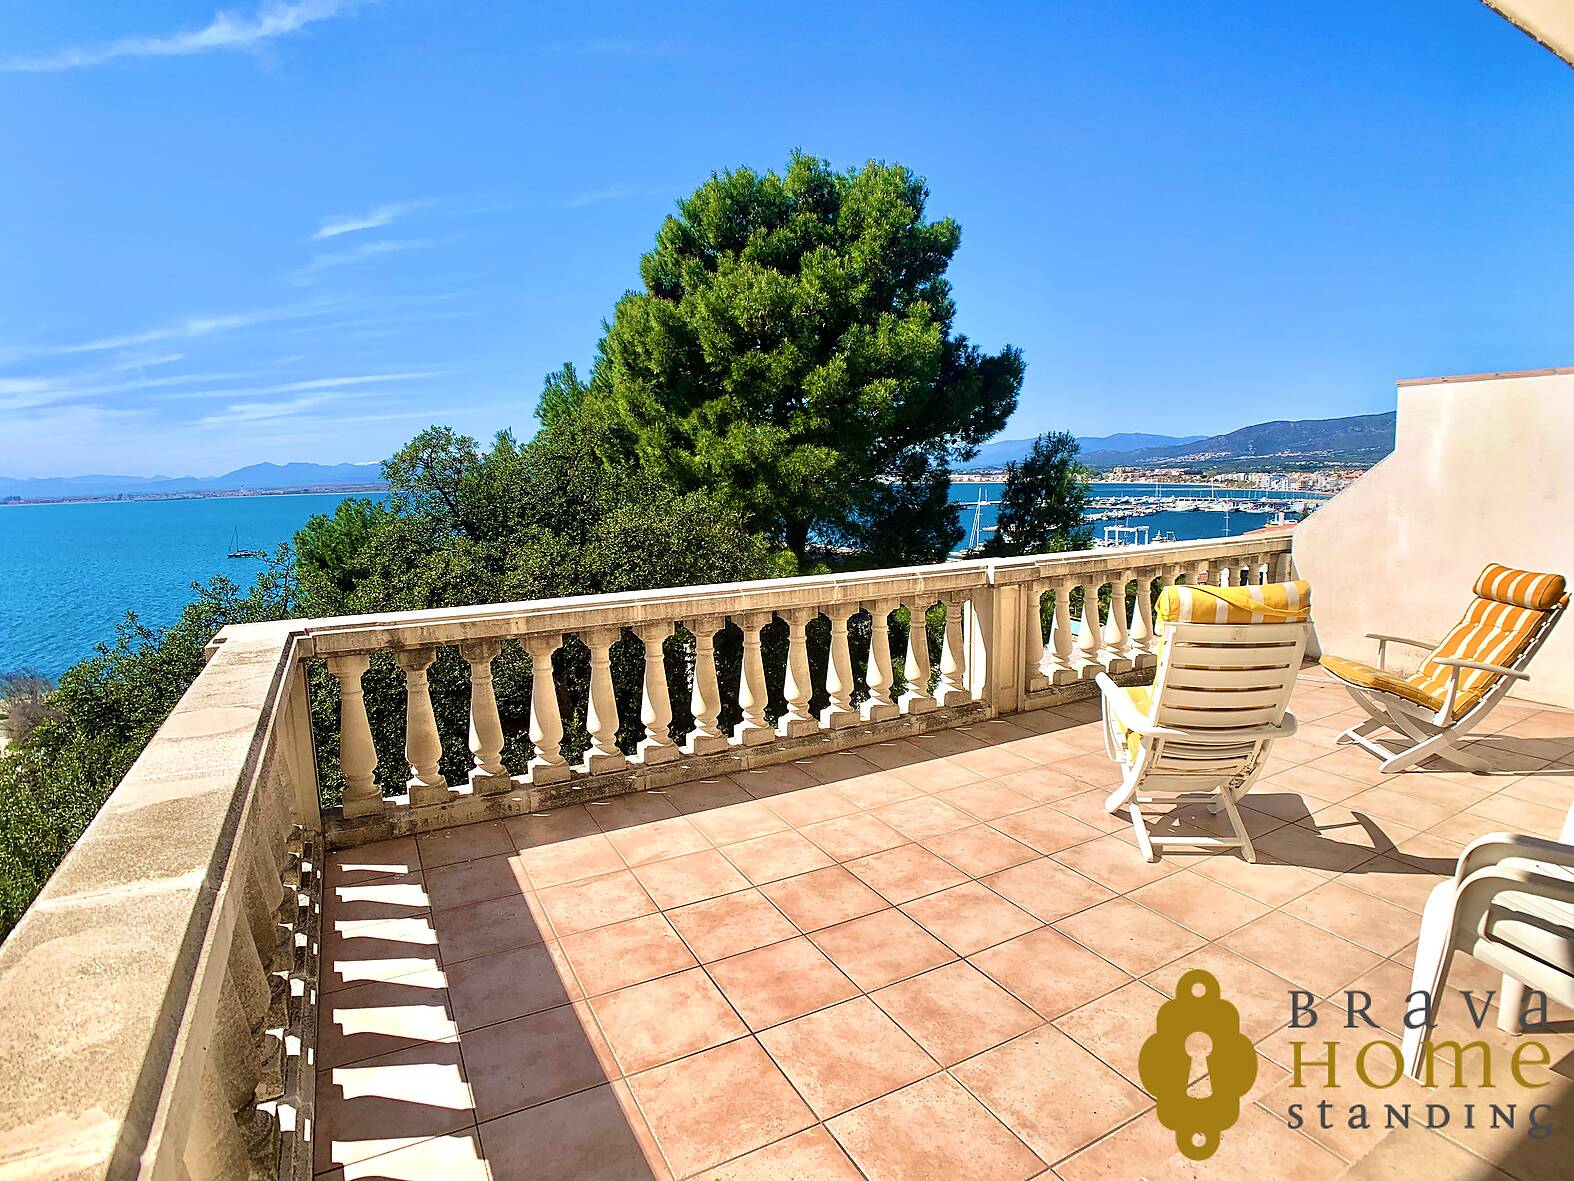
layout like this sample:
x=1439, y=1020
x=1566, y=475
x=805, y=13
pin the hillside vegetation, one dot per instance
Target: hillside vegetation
x=1361, y=439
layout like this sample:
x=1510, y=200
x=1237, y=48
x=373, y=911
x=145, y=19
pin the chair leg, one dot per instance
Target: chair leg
x=1227, y=802
x=1434, y=953
x=1362, y=730
x=1464, y=761
x=1140, y=827
x=1437, y=746
x=1511, y=1004
x=1377, y=713
x=1406, y=759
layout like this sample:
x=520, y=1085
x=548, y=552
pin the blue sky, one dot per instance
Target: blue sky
x=307, y=229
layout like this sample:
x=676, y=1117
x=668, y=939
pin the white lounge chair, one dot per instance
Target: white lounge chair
x=1510, y=904
x=1462, y=678
x=1227, y=662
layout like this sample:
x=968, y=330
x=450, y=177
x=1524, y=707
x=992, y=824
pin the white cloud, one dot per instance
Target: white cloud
x=596, y=196
x=242, y=412
x=349, y=223
x=23, y=393
x=226, y=31
x=190, y=328
x=296, y=387
x=366, y=250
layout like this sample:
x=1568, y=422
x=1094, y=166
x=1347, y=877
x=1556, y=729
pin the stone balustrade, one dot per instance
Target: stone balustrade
x=160, y=992
x=1017, y=634
x=821, y=699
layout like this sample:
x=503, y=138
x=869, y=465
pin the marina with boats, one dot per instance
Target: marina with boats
x=1140, y=514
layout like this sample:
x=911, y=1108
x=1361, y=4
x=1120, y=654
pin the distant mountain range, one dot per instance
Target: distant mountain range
x=1361, y=439
x=259, y=477
x=1004, y=451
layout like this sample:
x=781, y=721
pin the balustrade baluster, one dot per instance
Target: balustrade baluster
x=753, y=729
x=797, y=687
x=423, y=749
x=546, y=723
x=878, y=674
x=601, y=709
x=1057, y=662
x=1173, y=578
x=916, y=698
x=1116, y=638
x=1139, y=647
x=1090, y=639
x=357, y=755
x=488, y=776
x=705, y=702
x=838, y=712
x=952, y=689
x=655, y=707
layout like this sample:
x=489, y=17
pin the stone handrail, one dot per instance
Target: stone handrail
x=994, y=658
x=159, y=993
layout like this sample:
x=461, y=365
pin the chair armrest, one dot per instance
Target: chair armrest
x=1127, y=714
x=1499, y=846
x=1401, y=640
x=1121, y=705
x=1384, y=640
x=1474, y=895
x=1483, y=666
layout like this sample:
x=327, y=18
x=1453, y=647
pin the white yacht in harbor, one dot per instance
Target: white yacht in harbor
x=1116, y=536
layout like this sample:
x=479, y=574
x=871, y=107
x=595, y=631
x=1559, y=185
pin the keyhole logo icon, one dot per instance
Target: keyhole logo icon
x=1198, y=1032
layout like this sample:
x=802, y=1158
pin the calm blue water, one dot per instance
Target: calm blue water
x=1186, y=526
x=69, y=572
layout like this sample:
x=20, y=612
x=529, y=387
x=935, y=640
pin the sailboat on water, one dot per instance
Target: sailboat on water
x=237, y=552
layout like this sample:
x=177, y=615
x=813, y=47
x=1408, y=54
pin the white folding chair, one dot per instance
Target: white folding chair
x=1430, y=712
x=1227, y=663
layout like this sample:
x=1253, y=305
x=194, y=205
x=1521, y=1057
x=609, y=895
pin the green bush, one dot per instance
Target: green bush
x=106, y=708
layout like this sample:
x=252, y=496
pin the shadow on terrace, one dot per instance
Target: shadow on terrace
x=935, y=955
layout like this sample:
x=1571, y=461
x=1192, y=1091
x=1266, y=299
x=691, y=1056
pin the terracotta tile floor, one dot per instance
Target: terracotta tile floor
x=935, y=957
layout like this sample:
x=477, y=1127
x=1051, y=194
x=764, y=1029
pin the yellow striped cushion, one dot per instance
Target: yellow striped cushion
x=1520, y=588
x=1365, y=676
x=1275, y=602
x=1494, y=631
x=1491, y=631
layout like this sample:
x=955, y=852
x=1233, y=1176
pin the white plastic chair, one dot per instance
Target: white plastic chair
x=1227, y=663
x=1510, y=904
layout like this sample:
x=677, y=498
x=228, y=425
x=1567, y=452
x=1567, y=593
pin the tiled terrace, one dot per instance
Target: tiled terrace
x=935, y=957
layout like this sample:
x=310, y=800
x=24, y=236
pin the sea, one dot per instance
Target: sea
x=1184, y=525
x=70, y=572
